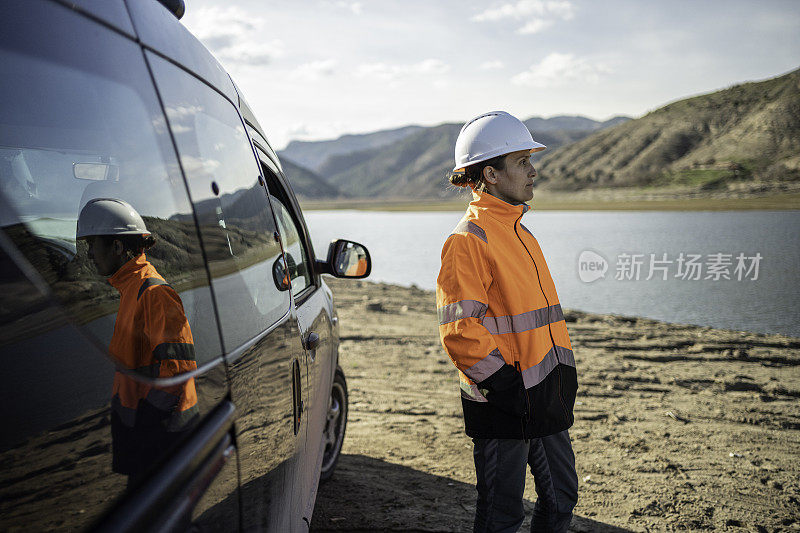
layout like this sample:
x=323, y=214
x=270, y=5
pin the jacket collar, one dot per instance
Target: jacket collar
x=485, y=203
x=122, y=275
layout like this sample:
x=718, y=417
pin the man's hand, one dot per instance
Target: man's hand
x=505, y=390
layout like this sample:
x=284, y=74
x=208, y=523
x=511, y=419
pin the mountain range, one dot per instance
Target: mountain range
x=410, y=161
x=750, y=131
x=312, y=154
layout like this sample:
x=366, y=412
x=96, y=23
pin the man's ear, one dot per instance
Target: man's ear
x=118, y=248
x=489, y=176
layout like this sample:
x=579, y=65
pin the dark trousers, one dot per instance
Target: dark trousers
x=500, y=468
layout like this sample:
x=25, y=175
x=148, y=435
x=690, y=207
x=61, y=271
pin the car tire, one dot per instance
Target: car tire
x=335, y=425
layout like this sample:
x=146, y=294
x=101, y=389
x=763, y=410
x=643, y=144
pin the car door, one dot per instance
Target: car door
x=313, y=306
x=261, y=339
x=80, y=121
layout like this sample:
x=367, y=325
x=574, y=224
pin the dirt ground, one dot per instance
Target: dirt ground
x=676, y=427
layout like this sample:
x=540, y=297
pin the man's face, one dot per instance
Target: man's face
x=515, y=182
x=103, y=254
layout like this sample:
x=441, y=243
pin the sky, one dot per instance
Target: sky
x=318, y=69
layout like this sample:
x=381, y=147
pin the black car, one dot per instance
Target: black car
x=115, y=99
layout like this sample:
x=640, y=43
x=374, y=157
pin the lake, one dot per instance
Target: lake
x=724, y=269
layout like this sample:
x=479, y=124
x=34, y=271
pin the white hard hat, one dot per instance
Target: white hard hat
x=109, y=216
x=490, y=135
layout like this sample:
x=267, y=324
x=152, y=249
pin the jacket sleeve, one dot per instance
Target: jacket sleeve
x=462, y=302
x=169, y=340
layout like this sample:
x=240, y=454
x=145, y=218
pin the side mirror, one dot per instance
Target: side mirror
x=280, y=275
x=347, y=259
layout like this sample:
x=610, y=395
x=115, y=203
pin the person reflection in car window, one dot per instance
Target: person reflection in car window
x=152, y=338
x=358, y=267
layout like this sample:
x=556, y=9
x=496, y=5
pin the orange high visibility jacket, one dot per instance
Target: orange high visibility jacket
x=152, y=338
x=357, y=269
x=497, y=305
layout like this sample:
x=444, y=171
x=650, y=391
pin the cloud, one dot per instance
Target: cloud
x=314, y=71
x=546, y=12
x=233, y=35
x=181, y=118
x=535, y=26
x=298, y=130
x=180, y=113
x=192, y=164
x=387, y=72
x=310, y=131
x=356, y=7
x=561, y=69
x=491, y=65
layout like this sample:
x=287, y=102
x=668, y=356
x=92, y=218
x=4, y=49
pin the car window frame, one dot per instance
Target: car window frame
x=286, y=195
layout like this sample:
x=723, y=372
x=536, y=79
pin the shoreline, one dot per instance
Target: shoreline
x=614, y=316
x=676, y=426
x=772, y=197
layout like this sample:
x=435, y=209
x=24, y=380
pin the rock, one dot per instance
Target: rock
x=677, y=417
x=741, y=385
x=570, y=317
x=375, y=305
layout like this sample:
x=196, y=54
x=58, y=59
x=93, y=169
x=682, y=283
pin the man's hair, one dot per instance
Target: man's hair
x=473, y=174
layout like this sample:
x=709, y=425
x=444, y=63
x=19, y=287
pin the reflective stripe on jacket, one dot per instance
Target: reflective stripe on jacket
x=151, y=337
x=498, y=305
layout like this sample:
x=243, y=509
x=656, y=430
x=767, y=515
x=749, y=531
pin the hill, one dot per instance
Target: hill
x=414, y=166
x=311, y=154
x=418, y=164
x=748, y=132
x=305, y=183
x=571, y=123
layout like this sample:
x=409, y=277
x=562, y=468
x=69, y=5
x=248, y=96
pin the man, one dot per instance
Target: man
x=501, y=323
x=152, y=340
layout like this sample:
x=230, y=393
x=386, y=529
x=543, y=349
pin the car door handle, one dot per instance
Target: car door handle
x=312, y=342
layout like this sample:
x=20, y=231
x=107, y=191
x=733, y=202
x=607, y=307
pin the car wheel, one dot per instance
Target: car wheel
x=335, y=425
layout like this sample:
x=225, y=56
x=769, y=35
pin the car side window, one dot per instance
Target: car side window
x=296, y=255
x=230, y=201
x=97, y=137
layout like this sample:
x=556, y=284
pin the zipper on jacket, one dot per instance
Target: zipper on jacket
x=528, y=411
x=549, y=330
x=561, y=394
